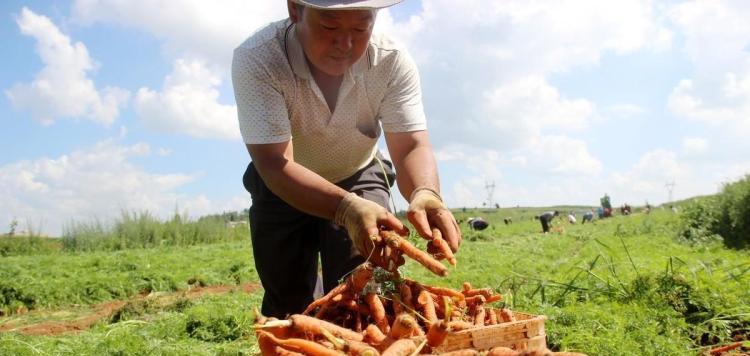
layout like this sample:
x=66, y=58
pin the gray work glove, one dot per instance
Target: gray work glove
x=362, y=218
x=426, y=210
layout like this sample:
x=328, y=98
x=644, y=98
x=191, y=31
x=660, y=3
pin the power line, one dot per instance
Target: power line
x=490, y=187
x=670, y=188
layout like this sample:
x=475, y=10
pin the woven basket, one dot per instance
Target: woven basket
x=526, y=333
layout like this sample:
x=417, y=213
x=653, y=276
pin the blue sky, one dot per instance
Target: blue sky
x=110, y=105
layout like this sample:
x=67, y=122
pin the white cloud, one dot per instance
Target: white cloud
x=62, y=88
x=188, y=104
x=196, y=29
x=716, y=38
x=97, y=182
x=694, y=145
x=485, y=67
x=563, y=155
x=520, y=110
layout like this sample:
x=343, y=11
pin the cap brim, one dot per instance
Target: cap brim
x=347, y=4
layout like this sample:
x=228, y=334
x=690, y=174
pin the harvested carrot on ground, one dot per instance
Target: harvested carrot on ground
x=373, y=335
x=507, y=315
x=458, y=325
x=464, y=352
x=377, y=311
x=502, y=351
x=477, y=300
x=437, y=333
x=354, y=283
x=445, y=291
x=492, y=317
x=399, y=243
x=402, y=347
x=486, y=292
x=428, y=306
x=725, y=348
x=406, y=295
x=479, y=316
x=403, y=327
x=307, y=324
x=280, y=351
x=301, y=345
x=442, y=246
x=266, y=345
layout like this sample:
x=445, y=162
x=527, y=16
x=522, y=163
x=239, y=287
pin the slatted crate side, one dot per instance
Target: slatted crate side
x=526, y=333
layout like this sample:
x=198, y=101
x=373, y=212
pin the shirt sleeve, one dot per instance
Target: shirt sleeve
x=261, y=108
x=401, y=109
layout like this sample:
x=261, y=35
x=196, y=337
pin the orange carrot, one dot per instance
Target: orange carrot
x=507, y=315
x=479, y=316
x=403, y=326
x=428, y=306
x=475, y=300
x=359, y=348
x=502, y=351
x=406, y=296
x=458, y=325
x=492, y=317
x=486, y=292
x=302, y=345
x=445, y=291
x=466, y=286
x=437, y=333
x=719, y=350
x=373, y=335
x=402, y=347
x=377, y=311
x=266, y=345
x=464, y=352
x=309, y=325
x=399, y=243
x=494, y=298
x=354, y=283
x=284, y=352
x=442, y=246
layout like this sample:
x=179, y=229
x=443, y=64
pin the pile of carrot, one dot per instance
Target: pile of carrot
x=369, y=314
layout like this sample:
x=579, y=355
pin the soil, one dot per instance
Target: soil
x=106, y=310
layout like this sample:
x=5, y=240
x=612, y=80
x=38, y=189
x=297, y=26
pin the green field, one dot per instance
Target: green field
x=621, y=286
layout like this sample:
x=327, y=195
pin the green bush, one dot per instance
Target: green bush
x=143, y=230
x=699, y=221
x=734, y=213
x=724, y=216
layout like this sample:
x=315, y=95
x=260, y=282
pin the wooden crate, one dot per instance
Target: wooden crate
x=526, y=333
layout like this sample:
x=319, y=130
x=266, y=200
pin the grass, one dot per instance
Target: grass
x=620, y=286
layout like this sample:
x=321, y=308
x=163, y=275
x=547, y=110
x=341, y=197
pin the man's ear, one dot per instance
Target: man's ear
x=292, y=8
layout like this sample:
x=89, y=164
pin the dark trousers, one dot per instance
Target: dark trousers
x=545, y=224
x=286, y=242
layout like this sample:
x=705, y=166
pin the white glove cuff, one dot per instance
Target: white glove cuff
x=426, y=190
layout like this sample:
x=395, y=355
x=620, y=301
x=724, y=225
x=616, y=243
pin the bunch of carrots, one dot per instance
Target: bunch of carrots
x=375, y=312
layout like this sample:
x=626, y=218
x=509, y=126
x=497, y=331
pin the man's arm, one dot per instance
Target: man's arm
x=417, y=177
x=292, y=182
x=312, y=194
x=412, y=155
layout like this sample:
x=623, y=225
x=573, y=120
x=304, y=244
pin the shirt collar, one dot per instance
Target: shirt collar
x=296, y=56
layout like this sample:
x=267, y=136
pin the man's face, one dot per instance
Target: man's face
x=333, y=40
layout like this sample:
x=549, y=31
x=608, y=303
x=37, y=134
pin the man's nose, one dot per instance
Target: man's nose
x=344, y=41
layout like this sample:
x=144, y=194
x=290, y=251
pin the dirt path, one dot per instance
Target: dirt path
x=106, y=310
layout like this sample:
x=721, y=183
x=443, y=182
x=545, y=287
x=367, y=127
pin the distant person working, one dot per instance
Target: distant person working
x=546, y=219
x=588, y=216
x=477, y=223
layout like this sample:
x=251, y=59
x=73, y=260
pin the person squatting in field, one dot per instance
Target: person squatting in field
x=546, y=218
x=477, y=223
x=313, y=92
